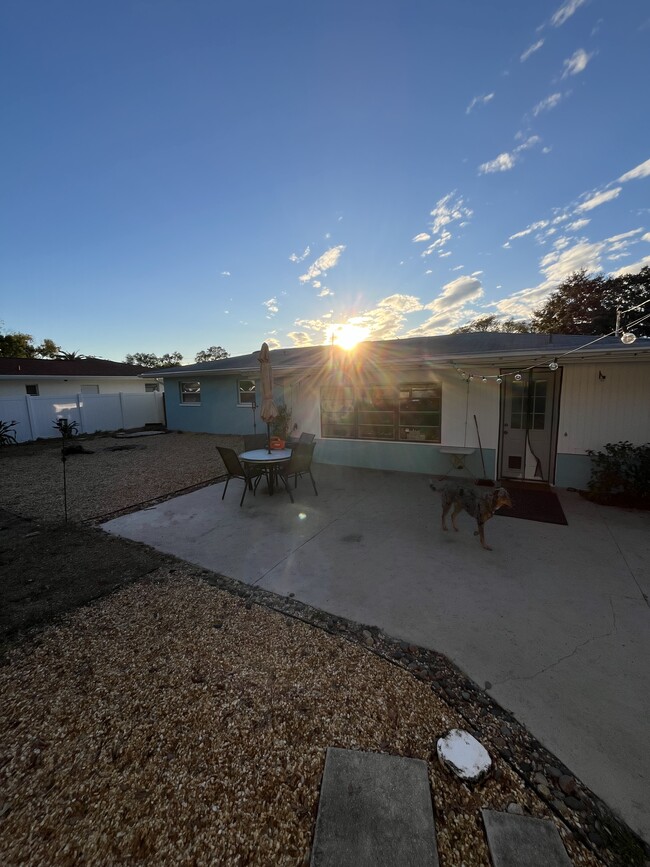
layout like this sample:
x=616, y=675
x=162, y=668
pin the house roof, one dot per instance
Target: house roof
x=58, y=368
x=437, y=350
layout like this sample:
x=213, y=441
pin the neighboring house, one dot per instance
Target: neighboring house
x=97, y=394
x=420, y=404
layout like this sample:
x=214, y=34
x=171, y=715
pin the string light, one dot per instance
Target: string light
x=626, y=337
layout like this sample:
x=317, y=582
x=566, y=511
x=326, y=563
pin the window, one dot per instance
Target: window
x=246, y=392
x=152, y=386
x=410, y=412
x=190, y=392
x=32, y=389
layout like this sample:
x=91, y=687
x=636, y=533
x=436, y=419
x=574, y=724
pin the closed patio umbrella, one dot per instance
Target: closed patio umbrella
x=269, y=410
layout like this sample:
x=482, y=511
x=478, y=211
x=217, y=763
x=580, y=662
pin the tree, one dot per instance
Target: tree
x=16, y=345
x=47, y=349
x=491, y=322
x=149, y=359
x=19, y=345
x=588, y=305
x=212, y=353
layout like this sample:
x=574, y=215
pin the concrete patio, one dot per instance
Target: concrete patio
x=555, y=619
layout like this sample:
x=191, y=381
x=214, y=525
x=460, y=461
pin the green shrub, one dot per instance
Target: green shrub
x=621, y=468
x=7, y=435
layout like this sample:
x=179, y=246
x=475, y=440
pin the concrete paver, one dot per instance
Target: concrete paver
x=518, y=840
x=374, y=811
x=555, y=618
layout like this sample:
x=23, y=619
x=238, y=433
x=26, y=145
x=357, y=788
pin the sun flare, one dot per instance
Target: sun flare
x=347, y=335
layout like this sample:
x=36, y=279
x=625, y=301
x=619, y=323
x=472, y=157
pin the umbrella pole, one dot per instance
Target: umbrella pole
x=268, y=436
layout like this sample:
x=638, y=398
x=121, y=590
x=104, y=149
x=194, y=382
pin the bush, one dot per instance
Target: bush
x=7, y=435
x=621, y=468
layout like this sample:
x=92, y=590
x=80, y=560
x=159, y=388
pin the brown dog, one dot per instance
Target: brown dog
x=476, y=502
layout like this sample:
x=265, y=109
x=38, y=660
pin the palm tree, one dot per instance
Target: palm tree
x=70, y=356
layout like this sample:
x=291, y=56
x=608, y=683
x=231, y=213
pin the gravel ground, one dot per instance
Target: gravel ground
x=182, y=720
x=120, y=473
x=174, y=723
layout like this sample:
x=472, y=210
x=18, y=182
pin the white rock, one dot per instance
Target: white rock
x=462, y=754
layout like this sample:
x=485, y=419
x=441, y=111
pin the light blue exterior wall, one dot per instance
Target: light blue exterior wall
x=218, y=411
x=404, y=457
x=573, y=471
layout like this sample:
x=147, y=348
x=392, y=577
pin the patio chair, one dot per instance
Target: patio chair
x=237, y=470
x=255, y=441
x=299, y=465
x=307, y=438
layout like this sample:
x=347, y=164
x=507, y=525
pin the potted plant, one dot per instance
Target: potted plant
x=281, y=424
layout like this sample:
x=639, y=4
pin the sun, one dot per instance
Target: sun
x=347, y=335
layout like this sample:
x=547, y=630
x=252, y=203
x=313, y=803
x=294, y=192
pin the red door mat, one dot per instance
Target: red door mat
x=533, y=505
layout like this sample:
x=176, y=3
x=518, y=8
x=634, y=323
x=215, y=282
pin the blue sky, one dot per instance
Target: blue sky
x=182, y=174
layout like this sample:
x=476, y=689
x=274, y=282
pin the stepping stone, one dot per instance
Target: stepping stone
x=374, y=811
x=517, y=840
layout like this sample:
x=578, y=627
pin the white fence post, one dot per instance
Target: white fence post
x=30, y=417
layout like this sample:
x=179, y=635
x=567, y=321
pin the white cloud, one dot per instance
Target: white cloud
x=295, y=258
x=646, y=237
x=403, y=303
x=273, y=343
x=558, y=266
x=616, y=239
x=641, y=171
x=547, y=104
x=633, y=267
x=449, y=210
x=531, y=50
x=444, y=255
x=540, y=224
x=503, y=163
x=578, y=224
x=458, y=268
x=324, y=292
x=328, y=260
x=272, y=306
x=225, y=273
x=565, y=12
x=576, y=63
x=598, y=199
x=506, y=161
x=300, y=338
x=457, y=293
x=479, y=100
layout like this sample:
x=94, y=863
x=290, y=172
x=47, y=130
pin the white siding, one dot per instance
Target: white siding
x=595, y=411
x=53, y=387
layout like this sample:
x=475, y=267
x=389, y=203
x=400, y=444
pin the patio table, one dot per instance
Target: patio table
x=270, y=463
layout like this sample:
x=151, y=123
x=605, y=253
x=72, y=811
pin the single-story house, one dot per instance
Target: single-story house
x=97, y=394
x=518, y=406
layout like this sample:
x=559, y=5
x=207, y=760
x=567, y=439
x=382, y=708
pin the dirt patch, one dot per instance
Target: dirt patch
x=50, y=569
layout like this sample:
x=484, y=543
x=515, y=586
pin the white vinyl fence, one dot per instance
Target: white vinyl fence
x=35, y=416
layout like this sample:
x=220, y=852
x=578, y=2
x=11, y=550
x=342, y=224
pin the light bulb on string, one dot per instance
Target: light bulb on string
x=499, y=380
x=627, y=337
x=484, y=379
x=554, y=365
x=518, y=377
